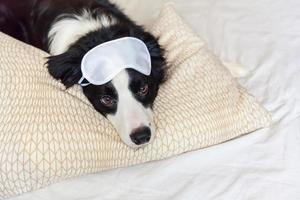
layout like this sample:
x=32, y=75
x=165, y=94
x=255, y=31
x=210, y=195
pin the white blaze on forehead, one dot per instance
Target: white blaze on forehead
x=68, y=30
x=130, y=114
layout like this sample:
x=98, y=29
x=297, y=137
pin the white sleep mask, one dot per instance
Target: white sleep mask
x=102, y=63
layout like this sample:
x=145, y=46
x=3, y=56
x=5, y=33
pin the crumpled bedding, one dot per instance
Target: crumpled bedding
x=264, y=36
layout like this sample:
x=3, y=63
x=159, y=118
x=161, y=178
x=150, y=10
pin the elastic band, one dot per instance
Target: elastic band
x=83, y=84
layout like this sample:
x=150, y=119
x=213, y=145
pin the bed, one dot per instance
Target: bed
x=263, y=36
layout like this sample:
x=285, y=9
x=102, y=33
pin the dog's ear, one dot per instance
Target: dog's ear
x=158, y=61
x=65, y=67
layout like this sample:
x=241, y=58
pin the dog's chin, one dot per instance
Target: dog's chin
x=136, y=147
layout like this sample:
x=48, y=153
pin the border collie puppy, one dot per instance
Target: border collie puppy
x=68, y=29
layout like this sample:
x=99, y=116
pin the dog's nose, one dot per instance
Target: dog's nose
x=141, y=135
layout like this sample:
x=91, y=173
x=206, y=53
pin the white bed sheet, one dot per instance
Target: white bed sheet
x=263, y=35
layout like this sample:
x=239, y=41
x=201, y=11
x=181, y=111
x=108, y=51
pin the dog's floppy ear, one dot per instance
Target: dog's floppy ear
x=159, y=63
x=65, y=67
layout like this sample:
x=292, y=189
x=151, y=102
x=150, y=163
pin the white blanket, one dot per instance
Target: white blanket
x=264, y=36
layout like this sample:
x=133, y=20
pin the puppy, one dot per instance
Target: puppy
x=68, y=30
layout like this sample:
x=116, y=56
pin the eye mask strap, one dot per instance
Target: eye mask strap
x=80, y=82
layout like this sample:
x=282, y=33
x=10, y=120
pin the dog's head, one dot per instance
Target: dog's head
x=127, y=100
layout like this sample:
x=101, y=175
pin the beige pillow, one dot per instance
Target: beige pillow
x=48, y=134
x=142, y=11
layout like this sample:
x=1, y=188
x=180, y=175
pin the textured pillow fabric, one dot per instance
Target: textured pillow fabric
x=142, y=11
x=48, y=134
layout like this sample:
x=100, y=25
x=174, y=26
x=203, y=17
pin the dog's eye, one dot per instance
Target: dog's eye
x=107, y=101
x=143, y=91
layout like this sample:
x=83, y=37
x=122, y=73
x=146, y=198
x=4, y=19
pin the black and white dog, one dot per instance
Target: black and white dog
x=68, y=29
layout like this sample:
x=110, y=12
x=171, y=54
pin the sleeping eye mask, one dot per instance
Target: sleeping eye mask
x=102, y=63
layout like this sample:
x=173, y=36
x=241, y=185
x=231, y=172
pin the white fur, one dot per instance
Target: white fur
x=131, y=114
x=66, y=31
